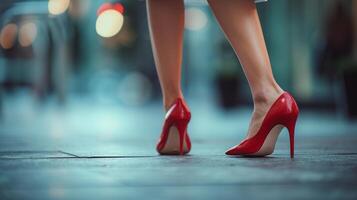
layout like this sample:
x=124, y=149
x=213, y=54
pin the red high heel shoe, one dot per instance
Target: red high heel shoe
x=283, y=112
x=174, y=139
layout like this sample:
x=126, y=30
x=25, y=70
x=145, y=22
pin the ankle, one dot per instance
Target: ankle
x=268, y=95
x=168, y=101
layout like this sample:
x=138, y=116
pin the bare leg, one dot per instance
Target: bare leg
x=240, y=22
x=166, y=22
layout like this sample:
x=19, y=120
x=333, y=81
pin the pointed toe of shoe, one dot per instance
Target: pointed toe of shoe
x=233, y=151
x=229, y=152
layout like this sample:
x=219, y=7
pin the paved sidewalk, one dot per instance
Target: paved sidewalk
x=323, y=169
x=93, y=152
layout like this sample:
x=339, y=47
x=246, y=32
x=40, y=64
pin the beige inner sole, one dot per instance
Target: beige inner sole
x=269, y=143
x=172, y=146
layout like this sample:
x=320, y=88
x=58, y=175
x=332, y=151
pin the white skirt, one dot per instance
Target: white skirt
x=205, y=1
x=259, y=1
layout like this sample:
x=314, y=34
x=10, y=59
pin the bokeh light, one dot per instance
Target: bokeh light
x=57, y=7
x=27, y=34
x=195, y=19
x=110, y=20
x=8, y=36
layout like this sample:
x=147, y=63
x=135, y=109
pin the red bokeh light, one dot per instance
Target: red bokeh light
x=115, y=6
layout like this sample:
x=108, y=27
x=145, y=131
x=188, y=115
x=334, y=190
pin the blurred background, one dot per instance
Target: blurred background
x=84, y=69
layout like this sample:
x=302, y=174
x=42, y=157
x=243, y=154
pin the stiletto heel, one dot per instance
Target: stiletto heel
x=291, y=129
x=284, y=111
x=174, y=139
x=182, y=128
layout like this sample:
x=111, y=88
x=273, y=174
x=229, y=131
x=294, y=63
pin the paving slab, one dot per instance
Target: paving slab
x=319, y=171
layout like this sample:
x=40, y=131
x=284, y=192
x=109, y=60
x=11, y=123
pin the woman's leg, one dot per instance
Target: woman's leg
x=240, y=22
x=166, y=22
